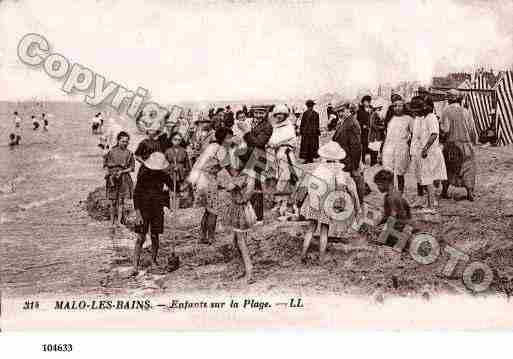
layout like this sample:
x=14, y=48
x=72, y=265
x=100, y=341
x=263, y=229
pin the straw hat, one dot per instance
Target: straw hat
x=395, y=97
x=366, y=98
x=202, y=119
x=454, y=92
x=417, y=104
x=375, y=146
x=281, y=109
x=332, y=151
x=156, y=161
x=155, y=125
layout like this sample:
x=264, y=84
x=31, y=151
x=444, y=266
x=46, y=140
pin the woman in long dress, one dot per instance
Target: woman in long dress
x=427, y=157
x=396, y=150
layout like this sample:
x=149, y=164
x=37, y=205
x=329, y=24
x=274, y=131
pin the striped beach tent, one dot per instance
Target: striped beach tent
x=481, y=102
x=504, y=93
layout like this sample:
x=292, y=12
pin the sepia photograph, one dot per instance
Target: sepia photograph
x=226, y=165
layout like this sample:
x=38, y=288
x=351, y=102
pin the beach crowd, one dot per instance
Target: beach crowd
x=228, y=161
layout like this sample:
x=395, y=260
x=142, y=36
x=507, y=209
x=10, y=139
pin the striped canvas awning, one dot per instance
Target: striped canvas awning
x=481, y=102
x=504, y=91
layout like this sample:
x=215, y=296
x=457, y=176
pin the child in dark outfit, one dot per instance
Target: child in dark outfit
x=394, y=204
x=149, y=202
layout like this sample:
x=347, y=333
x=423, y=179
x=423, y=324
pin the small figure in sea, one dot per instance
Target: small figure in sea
x=95, y=125
x=35, y=123
x=45, y=121
x=15, y=136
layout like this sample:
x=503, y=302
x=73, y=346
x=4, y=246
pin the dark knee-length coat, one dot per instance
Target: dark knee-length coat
x=309, y=131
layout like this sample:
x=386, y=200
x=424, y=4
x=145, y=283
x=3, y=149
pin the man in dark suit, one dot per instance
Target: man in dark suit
x=363, y=117
x=309, y=132
x=348, y=136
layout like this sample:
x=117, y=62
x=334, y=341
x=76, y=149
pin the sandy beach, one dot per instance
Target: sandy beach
x=52, y=245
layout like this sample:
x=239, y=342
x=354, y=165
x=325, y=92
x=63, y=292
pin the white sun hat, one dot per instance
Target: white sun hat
x=281, y=109
x=332, y=151
x=156, y=161
x=375, y=146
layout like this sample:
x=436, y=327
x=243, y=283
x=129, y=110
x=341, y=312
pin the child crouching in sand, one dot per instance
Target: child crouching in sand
x=328, y=184
x=394, y=204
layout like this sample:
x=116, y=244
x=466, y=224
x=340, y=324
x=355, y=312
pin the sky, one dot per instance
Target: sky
x=236, y=50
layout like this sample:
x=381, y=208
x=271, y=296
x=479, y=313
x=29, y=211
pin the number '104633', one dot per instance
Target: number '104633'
x=57, y=347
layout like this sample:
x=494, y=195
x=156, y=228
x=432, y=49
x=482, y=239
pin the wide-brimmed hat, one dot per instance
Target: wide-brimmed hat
x=454, y=93
x=375, y=146
x=416, y=104
x=366, y=98
x=345, y=105
x=202, y=119
x=155, y=125
x=395, y=97
x=309, y=102
x=332, y=151
x=422, y=90
x=266, y=108
x=281, y=109
x=156, y=161
x=379, y=103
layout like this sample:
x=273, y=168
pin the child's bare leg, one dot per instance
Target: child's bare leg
x=204, y=228
x=243, y=248
x=121, y=207
x=323, y=242
x=400, y=183
x=308, y=239
x=236, y=245
x=430, y=196
x=445, y=189
x=113, y=211
x=137, y=251
x=212, y=224
x=154, y=248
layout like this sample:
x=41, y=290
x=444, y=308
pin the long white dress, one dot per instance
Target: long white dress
x=396, y=151
x=431, y=168
x=282, y=140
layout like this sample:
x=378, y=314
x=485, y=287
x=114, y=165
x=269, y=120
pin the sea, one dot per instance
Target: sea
x=48, y=243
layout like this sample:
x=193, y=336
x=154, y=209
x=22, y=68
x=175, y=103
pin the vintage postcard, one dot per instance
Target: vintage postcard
x=235, y=165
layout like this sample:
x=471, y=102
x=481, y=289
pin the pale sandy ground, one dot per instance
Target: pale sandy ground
x=97, y=262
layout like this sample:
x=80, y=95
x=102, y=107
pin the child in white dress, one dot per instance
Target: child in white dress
x=332, y=199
